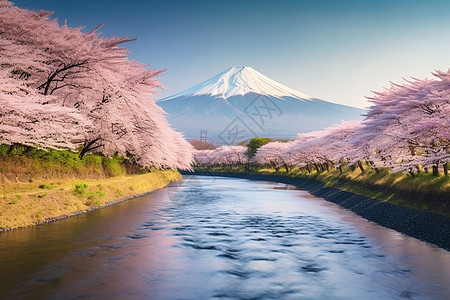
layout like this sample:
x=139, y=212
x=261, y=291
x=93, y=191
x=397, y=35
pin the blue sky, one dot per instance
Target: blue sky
x=334, y=50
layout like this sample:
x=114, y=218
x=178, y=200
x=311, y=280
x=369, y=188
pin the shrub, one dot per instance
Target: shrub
x=93, y=159
x=4, y=149
x=80, y=189
x=65, y=161
x=256, y=143
x=112, y=166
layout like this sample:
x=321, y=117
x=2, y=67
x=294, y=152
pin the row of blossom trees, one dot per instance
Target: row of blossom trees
x=407, y=127
x=62, y=88
x=229, y=156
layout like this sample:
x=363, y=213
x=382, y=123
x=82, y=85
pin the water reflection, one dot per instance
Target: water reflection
x=220, y=238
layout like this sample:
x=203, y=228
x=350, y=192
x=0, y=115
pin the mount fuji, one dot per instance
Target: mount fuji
x=241, y=103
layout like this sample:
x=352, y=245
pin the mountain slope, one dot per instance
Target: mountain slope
x=241, y=103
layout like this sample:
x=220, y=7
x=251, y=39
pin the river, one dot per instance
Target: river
x=220, y=238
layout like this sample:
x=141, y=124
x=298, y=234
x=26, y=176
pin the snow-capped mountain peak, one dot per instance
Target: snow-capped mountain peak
x=240, y=81
x=230, y=107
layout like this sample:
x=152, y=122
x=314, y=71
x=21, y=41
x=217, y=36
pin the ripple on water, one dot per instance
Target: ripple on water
x=311, y=268
x=336, y=251
x=258, y=239
x=199, y=247
x=85, y=254
x=218, y=233
x=242, y=274
x=109, y=247
x=256, y=258
x=228, y=255
x=136, y=236
x=184, y=227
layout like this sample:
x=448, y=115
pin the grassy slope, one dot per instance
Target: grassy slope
x=25, y=164
x=423, y=192
x=36, y=185
x=24, y=204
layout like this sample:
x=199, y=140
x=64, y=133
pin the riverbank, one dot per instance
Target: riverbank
x=44, y=200
x=428, y=227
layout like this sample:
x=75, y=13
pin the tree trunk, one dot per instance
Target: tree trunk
x=361, y=166
x=412, y=173
x=11, y=148
x=340, y=169
x=317, y=168
x=286, y=167
x=446, y=169
x=435, y=170
x=371, y=164
x=308, y=168
x=88, y=146
x=426, y=170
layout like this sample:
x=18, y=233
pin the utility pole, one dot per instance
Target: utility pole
x=203, y=135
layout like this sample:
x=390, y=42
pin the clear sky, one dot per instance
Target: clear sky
x=335, y=50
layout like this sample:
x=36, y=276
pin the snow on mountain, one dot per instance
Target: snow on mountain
x=240, y=81
x=241, y=103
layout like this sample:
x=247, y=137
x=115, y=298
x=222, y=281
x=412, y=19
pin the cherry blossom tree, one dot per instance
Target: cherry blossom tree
x=409, y=124
x=274, y=155
x=59, y=127
x=204, y=158
x=224, y=155
x=306, y=151
x=335, y=145
x=86, y=74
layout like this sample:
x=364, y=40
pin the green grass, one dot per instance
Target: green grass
x=26, y=164
x=80, y=189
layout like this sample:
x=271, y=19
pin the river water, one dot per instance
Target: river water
x=220, y=238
